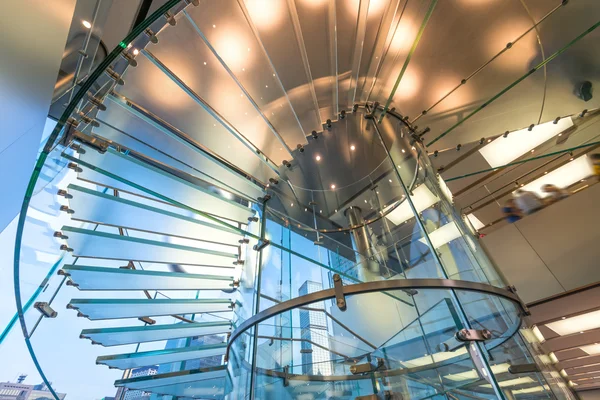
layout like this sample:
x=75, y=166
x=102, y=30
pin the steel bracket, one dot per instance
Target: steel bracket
x=473, y=335
x=338, y=285
x=262, y=243
x=286, y=375
x=45, y=309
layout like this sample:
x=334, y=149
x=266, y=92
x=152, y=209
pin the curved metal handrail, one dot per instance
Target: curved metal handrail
x=369, y=287
x=116, y=52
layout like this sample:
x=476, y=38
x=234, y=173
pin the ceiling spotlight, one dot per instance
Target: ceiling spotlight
x=403, y=151
x=352, y=148
x=458, y=146
x=413, y=148
x=273, y=181
x=333, y=186
x=318, y=158
x=86, y=24
x=545, y=172
x=481, y=140
x=435, y=153
x=343, y=114
x=291, y=204
x=136, y=52
x=328, y=124
x=287, y=163
x=300, y=148
x=390, y=180
x=489, y=140
x=522, y=184
x=354, y=108
x=532, y=150
x=314, y=134
x=530, y=127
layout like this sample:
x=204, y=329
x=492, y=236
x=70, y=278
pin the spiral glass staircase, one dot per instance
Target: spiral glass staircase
x=247, y=171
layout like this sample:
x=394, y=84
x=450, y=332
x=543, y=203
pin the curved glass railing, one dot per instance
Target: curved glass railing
x=185, y=219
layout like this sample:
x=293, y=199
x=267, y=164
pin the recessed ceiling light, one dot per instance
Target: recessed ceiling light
x=214, y=26
x=365, y=201
x=291, y=204
x=532, y=150
x=504, y=150
x=545, y=174
x=403, y=151
x=578, y=323
x=204, y=62
x=136, y=52
x=390, y=180
x=489, y=140
x=86, y=24
x=318, y=158
x=352, y=147
x=333, y=186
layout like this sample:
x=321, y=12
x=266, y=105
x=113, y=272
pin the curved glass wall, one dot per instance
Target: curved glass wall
x=213, y=239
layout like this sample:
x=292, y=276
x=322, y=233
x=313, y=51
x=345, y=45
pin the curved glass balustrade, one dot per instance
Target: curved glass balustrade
x=196, y=184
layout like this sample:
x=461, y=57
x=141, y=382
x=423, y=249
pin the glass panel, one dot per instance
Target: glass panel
x=93, y=206
x=152, y=333
x=154, y=179
x=285, y=47
x=98, y=278
x=313, y=18
x=87, y=243
x=136, y=308
x=198, y=380
x=153, y=90
x=140, y=359
x=226, y=29
x=128, y=126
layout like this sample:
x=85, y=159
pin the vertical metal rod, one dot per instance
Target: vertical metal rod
x=263, y=225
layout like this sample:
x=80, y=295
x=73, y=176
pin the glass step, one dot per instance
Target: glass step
x=156, y=357
x=151, y=139
x=147, y=85
x=196, y=383
x=93, y=244
x=153, y=333
x=98, y=309
x=93, y=206
x=135, y=171
x=103, y=278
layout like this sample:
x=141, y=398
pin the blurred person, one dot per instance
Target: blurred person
x=527, y=201
x=511, y=212
x=553, y=193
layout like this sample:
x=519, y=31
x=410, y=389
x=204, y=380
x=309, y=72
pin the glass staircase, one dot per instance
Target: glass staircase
x=241, y=167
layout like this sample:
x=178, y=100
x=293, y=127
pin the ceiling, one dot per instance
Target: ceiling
x=570, y=326
x=366, y=45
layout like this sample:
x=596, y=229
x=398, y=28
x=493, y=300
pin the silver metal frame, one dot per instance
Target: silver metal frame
x=369, y=287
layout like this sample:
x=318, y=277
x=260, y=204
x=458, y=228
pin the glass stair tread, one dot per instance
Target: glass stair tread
x=124, y=168
x=107, y=278
x=157, y=357
x=152, y=333
x=93, y=244
x=93, y=206
x=178, y=153
x=196, y=383
x=99, y=309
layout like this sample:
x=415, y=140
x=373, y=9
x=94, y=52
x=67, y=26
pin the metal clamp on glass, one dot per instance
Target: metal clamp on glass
x=262, y=243
x=338, y=285
x=473, y=335
x=44, y=308
x=358, y=369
